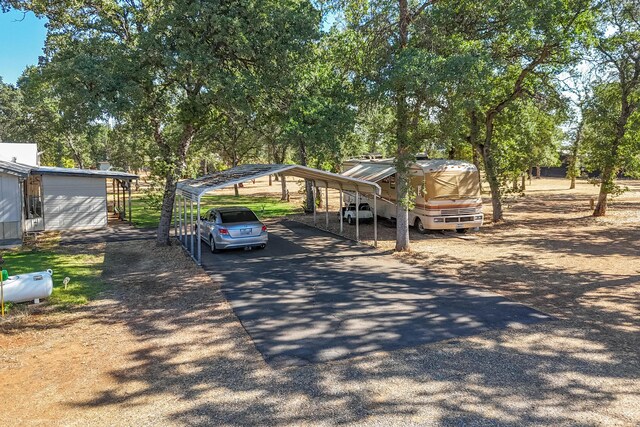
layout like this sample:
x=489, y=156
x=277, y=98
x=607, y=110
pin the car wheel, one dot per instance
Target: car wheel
x=350, y=220
x=212, y=244
x=420, y=226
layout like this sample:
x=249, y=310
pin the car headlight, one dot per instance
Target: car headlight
x=438, y=219
x=478, y=217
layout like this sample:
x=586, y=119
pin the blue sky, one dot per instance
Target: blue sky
x=21, y=43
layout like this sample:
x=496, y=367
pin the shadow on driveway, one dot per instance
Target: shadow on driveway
x=312, y=297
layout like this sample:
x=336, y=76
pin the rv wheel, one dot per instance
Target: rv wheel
x=420, y=226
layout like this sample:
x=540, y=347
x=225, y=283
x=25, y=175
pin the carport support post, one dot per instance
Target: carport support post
x=198, y=233
x=130, y=219
x=375, y=220
x=340, y=211
x=326, y=204
x=313, y=192
x=191, y=226
x=184, y=235
x=357, y=215
x=179, y=215
x=117, y=208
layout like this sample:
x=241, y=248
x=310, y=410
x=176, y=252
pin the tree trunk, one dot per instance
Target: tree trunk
x=308, y=190
x=236, y=191
x=403, y=157
x=476, y=162
x=524, y=181
x=494, y=185
x=76, y=154
x=319, y=198
x=283, y=185
x=171, y=180
x=538, y=172
x=607, y=184
x=491, y=169
x=308, y=185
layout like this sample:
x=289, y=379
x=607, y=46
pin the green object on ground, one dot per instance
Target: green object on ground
x=5, y=275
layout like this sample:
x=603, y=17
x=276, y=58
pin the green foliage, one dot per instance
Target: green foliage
x=162, y=68
x=612, y=117
x=11, y=108
x=601, y=116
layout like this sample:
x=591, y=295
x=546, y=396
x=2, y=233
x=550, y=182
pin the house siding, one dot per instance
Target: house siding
x=74, y=203
x=10, y=210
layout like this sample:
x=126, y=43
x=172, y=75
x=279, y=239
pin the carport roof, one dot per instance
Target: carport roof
x=243, y=173
x=48, y=170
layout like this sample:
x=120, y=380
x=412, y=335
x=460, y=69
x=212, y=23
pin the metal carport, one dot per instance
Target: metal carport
x=190, y=191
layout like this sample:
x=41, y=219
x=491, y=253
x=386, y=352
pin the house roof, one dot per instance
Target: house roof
x=13, y=168
x=208, y=183
x=23, y=171
x=92, y=173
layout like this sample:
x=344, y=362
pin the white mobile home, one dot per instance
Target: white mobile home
x=40, y=198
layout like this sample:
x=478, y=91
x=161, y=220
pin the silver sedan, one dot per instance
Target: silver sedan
x=232, y=227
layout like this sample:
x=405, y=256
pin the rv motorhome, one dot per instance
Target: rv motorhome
x=447, y=192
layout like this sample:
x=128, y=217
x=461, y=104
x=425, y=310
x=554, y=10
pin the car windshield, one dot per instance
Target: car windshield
x=237, y=216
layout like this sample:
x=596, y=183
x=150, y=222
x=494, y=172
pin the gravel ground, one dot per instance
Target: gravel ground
x=162, y=346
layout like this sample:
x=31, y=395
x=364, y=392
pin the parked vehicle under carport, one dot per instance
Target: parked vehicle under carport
x=364, y=214
x=233, y=227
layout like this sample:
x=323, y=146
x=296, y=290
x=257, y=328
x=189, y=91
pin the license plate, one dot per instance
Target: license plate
x=245, y=231
x=459, y=225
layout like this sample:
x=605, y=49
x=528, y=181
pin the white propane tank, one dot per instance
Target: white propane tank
x=28, y=287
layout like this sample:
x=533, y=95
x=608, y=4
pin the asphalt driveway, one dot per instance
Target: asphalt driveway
x=312, y=297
